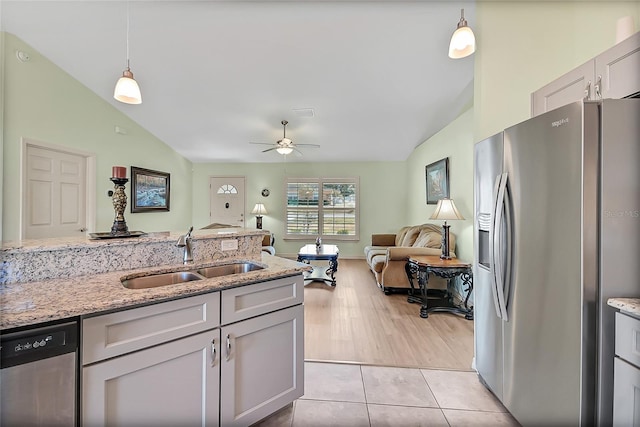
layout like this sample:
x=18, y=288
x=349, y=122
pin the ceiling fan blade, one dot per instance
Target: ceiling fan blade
x=297, y=152
x=270, y=149
x=260, y=143
x=308, y=145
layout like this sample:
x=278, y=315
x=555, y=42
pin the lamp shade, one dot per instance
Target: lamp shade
x=463, y=41
x=445, y=210
x=259, y=209
x=127, y=89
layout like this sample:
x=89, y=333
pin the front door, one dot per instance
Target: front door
x=56, y=192
x=227, y=200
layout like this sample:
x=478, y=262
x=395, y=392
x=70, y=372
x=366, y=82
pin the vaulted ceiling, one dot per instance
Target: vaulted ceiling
x=216, y=75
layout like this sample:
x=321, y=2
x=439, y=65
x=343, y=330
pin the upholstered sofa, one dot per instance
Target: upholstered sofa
x=267, y=244
x=388, y=254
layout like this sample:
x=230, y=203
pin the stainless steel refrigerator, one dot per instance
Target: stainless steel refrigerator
x=557, y=233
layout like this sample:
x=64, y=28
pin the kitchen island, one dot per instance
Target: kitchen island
x=217, y=339
x=83, y=287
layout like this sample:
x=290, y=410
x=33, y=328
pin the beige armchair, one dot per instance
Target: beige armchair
x=388, y=254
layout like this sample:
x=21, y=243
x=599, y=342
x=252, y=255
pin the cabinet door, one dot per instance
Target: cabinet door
x=171, y=384
x=626, y=394
x=618, y=69
x=262, y=366
x=573, y=86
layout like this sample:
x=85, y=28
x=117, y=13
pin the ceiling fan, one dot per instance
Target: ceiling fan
x=285, y=145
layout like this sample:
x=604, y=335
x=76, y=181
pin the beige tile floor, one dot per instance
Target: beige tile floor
x=359, y=395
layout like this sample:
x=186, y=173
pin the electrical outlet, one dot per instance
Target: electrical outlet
x=229, y=245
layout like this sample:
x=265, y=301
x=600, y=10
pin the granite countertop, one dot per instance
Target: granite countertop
x=65, y=243
x=626, y=305
x=23, y=304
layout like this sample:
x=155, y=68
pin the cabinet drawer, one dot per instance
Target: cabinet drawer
x=628, y=338
x=253, y=300
x=126, y=331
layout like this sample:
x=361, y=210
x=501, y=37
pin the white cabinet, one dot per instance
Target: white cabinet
x=226, y=358
x=122, y=332
x=262, y=366
x=170, y=384
x=626, y=389
x=615, y=73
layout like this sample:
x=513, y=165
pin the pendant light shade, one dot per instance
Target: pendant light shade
x=127, y=89
x=463, y=42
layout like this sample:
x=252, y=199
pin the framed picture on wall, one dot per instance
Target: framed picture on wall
x=149, y=190
x=437, y=179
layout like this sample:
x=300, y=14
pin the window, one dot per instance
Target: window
x=326, y=207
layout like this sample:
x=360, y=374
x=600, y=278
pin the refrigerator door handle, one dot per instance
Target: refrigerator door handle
x=508, y=249
x=498, y=251
x=492, y=252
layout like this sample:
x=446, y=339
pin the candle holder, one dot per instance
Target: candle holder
x=119, y=227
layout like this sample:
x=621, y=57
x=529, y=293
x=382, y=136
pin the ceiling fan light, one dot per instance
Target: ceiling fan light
x=463, y=41
x=127, y=89
x=284, y=150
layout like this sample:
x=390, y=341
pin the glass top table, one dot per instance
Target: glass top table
x=329, y=253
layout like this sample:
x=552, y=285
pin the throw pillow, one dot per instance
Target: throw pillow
x=428, y=239
x=411, y=236
x=401, y=234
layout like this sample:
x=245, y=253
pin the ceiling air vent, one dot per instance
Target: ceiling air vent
x=304, y=112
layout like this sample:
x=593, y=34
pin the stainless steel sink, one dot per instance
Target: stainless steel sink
x=228, y=269
x=162, y=279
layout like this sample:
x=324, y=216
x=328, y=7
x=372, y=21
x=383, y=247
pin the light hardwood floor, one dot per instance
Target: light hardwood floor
x=356, y=322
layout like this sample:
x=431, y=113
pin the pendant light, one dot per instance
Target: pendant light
x=463, y=42
x=127, y=89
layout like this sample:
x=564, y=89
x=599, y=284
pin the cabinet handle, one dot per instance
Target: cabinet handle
x=228, y=347
x=597, y=88
x=587, y=91
x=213, y=352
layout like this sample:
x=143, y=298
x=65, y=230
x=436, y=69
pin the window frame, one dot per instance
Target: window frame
x=321, y=181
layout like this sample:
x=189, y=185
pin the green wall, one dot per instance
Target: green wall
x=383, y=196
x=455, y=142
x=44, y=103
x=522, y=46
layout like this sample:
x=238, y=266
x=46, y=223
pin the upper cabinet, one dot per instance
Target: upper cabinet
x=615, y=73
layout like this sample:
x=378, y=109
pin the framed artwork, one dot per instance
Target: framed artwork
x=437, y=177
x=149, y=190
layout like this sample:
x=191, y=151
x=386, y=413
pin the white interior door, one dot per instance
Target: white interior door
x=55, y=200
x=227, y=200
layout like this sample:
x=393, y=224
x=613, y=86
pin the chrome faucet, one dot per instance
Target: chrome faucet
x=185, y=242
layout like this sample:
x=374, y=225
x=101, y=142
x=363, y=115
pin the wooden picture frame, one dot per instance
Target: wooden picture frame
x=149, y=190
x=437, y=181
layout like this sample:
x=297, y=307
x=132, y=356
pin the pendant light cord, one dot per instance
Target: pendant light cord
x=127, y=35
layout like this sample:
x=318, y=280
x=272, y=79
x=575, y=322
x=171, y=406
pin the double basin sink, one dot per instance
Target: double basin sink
x=172, y=278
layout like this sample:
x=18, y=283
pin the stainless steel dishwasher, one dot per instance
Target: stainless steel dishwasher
x=39, y=376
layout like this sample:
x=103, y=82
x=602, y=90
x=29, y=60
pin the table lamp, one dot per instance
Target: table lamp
x=259, y=209
x=446, y=209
